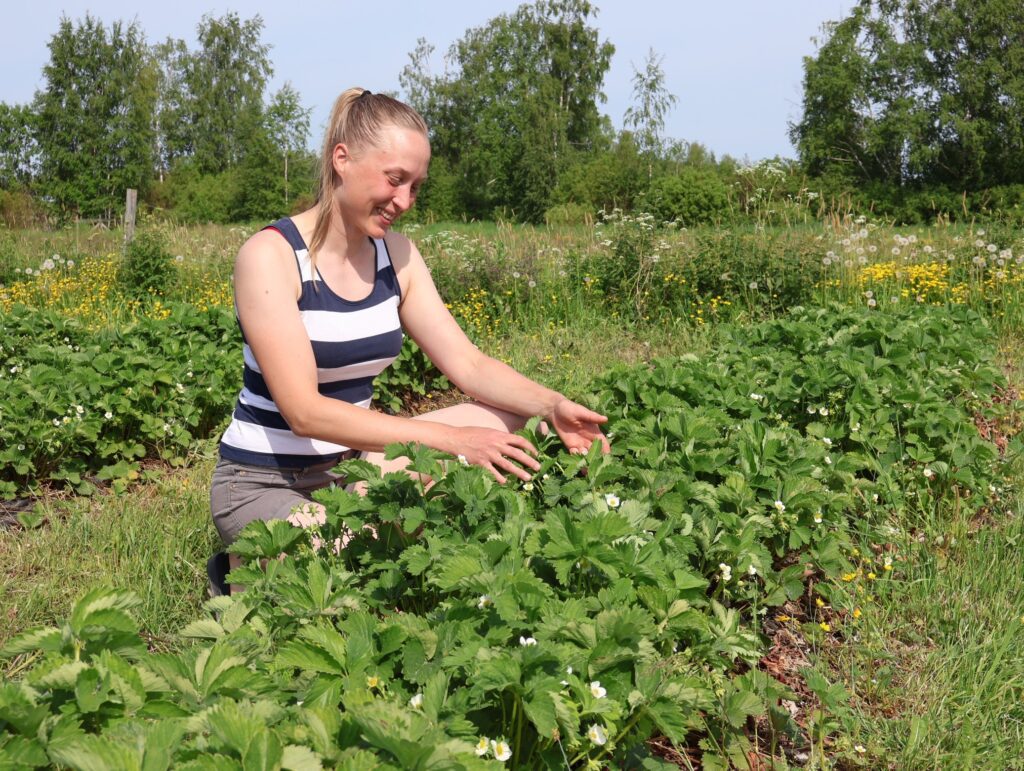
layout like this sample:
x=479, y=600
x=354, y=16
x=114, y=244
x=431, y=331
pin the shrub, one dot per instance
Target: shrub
x=147, y=266
x=569, y=214
x=692, y=197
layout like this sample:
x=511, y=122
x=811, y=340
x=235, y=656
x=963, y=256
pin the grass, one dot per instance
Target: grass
x=153, y=540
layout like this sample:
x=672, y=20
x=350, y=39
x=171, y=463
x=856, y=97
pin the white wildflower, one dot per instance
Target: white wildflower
x=597, y=691
x=597, y=735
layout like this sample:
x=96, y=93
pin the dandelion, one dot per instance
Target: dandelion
x=597, y=691
x=485, y=601
x=872, y=302
x=515, y=274
x=612, y=500
x=597, y=735
x=502, y=750
x=779, y=506
x=752, y=286
x=887, y=564
x=483, y=746
x=782, y=618
x=416, y=702
x=849, y=577
x=895, y=251
x=872, y=576
x=526, y=642
x=857, y=613
x=179, y=258
x=827, y=261
x=531, y=283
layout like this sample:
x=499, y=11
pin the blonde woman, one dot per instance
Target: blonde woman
x=323, y=299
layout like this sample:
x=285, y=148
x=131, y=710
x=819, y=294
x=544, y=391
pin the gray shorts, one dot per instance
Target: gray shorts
x=241, y=494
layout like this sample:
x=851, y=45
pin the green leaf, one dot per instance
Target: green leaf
x=264, y=752
x=298, y=758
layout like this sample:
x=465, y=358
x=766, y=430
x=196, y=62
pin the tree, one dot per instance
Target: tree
x=224, y=82
x=918, y=92
x=94, y=124
x=522, y=93
x=651, y=103
x=287, y=124
x=18, y=150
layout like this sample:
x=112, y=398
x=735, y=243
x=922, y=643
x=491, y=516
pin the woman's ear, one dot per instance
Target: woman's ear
x=340, y=156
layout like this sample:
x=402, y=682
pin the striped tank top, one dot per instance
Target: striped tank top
x=352, y=343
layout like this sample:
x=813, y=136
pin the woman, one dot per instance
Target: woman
x=322, y=299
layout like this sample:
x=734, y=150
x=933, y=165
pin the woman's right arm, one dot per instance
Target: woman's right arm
x=266, y=291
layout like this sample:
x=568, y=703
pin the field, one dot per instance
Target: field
x=804, y=550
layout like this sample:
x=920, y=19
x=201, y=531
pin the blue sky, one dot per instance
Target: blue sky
x=735, y=66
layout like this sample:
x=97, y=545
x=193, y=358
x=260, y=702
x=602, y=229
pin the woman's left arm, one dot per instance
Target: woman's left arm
x=479, y=376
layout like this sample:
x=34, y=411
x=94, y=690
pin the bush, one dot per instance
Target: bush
x=692, y=197
x=147, y=267
x=569, y=214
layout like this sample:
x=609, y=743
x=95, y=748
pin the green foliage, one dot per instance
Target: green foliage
x=195, y=197
x=83, y=407
x=222, y=105
x=147, y=267
x=613, y=598
x=412, y=375
x=18, y=152
x=694, y=196
x=94, y=116
x=917, y=93
x=522, y=93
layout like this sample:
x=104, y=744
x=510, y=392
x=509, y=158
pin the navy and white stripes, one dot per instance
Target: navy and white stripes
x=353, y=341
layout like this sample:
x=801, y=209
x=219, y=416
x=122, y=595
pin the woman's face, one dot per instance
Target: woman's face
x=380, y=182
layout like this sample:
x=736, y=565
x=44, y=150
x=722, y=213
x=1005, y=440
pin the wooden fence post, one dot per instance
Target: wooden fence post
x=129, y=216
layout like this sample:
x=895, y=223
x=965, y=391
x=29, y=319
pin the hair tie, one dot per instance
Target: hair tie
x=366, y=92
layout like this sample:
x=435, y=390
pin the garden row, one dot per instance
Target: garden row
x=557, y=623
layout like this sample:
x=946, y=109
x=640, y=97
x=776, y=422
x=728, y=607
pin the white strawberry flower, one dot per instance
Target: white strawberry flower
x=597, y=735
x=526, y=642
x=612, y=500
x=502, y=750
x=485, y=601
x=726, y=571
x=416, y=702
x=597, y=691
x=780, y=506
x=483, y=746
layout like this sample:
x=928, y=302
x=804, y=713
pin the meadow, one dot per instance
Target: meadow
x=803, y=551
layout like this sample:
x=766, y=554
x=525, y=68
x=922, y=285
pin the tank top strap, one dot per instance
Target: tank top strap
x=291, y=234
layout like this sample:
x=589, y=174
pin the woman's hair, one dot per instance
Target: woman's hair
x=356, y=119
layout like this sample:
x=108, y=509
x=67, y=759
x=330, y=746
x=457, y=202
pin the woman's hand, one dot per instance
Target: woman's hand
x=499, y=452
x=577, y=426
